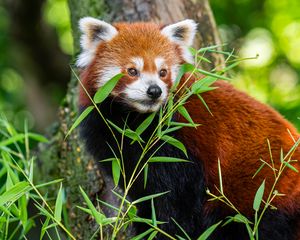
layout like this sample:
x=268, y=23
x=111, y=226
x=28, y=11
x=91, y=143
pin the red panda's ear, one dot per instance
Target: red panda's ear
x=93, y=31
x=182, y=33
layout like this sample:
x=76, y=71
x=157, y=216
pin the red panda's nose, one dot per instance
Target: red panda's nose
x=154, y=91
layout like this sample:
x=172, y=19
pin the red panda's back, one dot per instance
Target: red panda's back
x=237, y=132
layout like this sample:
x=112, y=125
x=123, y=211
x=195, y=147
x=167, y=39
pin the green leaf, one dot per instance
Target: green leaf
x=132, y=212
x=203, y=85
x=58, y=204
x=182, y=110
x=9, y=183
x=108, y=205
x=82, y=116
x=108, y=159
x=184, y=68
x=259, y=196
x=205, y=49
x=170, y=130
x=166, y=160
x=184, y=124
x=204, y=103
x=14, y=139
x=145, y=124
x=206, y=73
x=127, y=132
x=181, y=229
x=49, y=183
x=209, y=231
x=133, y=135
x=145, y=220
x=142, y=235
x=241, y=219
x=38, y=137
x=115, y=126
x=104, y=91
x=143, y=199
x=44, y=227
x=14, y=193
x=23, y=210
x=99, y=217
x=259, y=169
x=153, y=214
x=146, y=170
x=290, y=166
x=175, y=143
x=116, y=171
x=152, y=235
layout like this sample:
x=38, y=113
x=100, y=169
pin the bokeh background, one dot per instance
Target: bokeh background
x=34, y=75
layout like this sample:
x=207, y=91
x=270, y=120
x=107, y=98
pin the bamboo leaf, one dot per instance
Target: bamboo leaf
x=209, y=231
x=104, y=91
x=116, y=171
x=38, y=137
x=218, y=76
x=182, y=110
x=99, y=217
x=181, y=229
x=153, y=214
x=259, y=196
x=142, y=235
x=146, y=170
x=184, y=68
x=290, y=166
x=166, y=160
x=152, y=235
x=145, y=124
x=58, y=204
x=14, y=193
x=176, y=143
x=82, y=116
x=16, y=138
x=143, y=199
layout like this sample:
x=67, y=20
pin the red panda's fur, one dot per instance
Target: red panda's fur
x=237, y=132
x=129, y=42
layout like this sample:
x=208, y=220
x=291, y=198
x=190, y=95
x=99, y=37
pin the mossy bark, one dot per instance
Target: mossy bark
x=66, y=158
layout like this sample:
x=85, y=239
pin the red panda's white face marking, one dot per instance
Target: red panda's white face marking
x=147, y=55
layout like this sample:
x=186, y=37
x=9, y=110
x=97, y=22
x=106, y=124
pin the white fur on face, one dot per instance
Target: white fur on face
x=106, y=74
x=174, y=72
x=138, y=62
x=159, y=63
x=136, y=93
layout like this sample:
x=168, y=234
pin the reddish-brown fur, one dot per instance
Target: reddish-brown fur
x=127, y=44
x=237, y=134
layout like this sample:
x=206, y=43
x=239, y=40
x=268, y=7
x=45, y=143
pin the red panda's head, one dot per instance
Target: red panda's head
x=147, y=54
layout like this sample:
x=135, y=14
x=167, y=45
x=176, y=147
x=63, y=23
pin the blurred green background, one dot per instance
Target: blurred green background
x=267, y=28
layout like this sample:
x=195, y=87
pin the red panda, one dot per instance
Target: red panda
x=236, y=132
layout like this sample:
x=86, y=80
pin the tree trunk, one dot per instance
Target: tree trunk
x=67, y=158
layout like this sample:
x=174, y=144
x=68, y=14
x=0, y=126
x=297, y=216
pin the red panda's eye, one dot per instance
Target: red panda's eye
x=163, y=73
x=132, y=72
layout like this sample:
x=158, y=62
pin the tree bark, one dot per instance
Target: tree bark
x=67, y=158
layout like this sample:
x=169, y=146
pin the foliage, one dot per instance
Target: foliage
x=125, y=213
x=272, y=30
x=19, y=191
